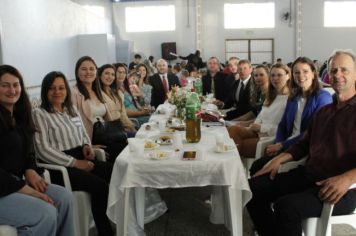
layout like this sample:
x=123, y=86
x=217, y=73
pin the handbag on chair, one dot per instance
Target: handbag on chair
x=108, y=133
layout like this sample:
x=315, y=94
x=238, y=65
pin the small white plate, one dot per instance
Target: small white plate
x=160, y=155
x=154, y=146
x=164, y=142
x=227, y=148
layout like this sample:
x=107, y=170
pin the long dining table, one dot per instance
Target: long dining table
x=222, y=170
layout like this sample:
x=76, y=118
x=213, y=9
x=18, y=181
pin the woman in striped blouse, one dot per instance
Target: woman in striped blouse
x=61, y=139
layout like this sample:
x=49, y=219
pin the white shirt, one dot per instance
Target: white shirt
x=271, y=115
x=298, y=117
x=165, y=77
x=98, y=111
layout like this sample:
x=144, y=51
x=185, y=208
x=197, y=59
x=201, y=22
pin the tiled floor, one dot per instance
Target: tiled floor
x=188, y=215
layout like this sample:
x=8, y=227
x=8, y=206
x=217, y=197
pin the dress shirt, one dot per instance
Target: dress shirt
x=285, y=128
x=298, y=117
x=270, y=116
x=57, y=132
x=165, y=82
x=330, y=141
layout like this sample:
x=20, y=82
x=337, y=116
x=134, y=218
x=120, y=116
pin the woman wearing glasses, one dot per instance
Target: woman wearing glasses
x=267, y=120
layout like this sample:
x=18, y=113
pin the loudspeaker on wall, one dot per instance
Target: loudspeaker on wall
x=167, y=48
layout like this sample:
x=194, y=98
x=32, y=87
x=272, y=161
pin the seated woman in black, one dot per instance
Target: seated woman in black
x=27, y=202
x=62, y=140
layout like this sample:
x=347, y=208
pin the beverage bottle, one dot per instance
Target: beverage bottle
x=193, y=119
x=198, y=85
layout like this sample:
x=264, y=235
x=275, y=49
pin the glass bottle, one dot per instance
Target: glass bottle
x=198, y=85
x=193, y=119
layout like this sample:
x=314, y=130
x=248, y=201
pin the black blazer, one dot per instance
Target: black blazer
x=243, y=105
x=221, y=85
x=158, y=94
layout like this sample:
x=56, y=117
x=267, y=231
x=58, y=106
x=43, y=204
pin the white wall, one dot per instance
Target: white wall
x=149, y=43
x=213, y=35
x=39, y=36
x=319, y=42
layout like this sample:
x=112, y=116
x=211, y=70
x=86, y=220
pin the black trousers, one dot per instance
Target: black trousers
x=96, y=183
x=258, y=164
x=278, y=206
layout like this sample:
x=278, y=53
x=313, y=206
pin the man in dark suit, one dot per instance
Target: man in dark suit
x=239, y=95
x=161, y=83
x=215, y=82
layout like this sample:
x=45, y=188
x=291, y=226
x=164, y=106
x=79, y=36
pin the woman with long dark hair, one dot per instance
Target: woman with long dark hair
x=62, y=140
x=115, y=104
x=305, y=99
x=88, y=99
x=133, y=108
x=143, y=84
x=27, y=202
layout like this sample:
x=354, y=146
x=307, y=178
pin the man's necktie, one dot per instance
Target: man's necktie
x=241, y=93
x=165, y=85
x=213, y=86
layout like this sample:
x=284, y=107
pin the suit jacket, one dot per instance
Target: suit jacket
x=158, y=95
x=220, y=83
x=285, y=127
x=243, y=105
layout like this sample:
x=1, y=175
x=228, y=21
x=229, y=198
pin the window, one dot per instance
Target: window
x=249, y=15
x=255, y=50
x=339, y=14
x=150, y=18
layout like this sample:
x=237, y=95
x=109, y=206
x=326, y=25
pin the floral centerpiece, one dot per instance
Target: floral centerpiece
x=178, y=97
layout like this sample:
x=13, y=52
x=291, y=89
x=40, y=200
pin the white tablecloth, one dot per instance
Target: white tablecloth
x=210, y=168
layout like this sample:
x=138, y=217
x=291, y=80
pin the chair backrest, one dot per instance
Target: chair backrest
x=7, y=230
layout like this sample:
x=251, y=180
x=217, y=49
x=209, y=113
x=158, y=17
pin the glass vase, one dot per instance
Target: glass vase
x=180, y=113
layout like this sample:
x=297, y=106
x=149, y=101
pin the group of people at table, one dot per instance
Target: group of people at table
x=281, y=102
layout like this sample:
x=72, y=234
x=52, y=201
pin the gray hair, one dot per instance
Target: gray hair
x=336, y=53
x=161, y=60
